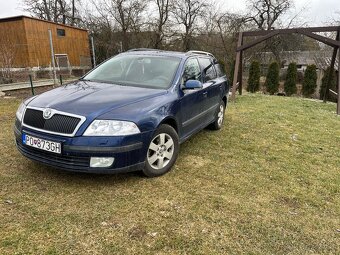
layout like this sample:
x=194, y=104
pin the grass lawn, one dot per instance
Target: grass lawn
x=267, y=183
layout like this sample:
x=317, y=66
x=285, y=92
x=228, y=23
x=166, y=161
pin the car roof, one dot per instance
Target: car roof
x=178, y=54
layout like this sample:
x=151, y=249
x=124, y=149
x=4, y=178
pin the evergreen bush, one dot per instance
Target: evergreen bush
x=273, y=78
x=291, y=78
x=309, y=81
x=254, y=77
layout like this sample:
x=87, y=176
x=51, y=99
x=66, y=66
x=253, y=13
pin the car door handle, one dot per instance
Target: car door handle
x=205, y=94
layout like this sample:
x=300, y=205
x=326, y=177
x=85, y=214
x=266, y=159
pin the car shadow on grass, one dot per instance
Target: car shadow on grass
x=40, y=171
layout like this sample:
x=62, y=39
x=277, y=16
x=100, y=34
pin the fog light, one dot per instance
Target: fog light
x=101, y=162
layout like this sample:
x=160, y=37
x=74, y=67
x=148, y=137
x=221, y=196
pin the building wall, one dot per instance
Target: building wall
x=13, y=39
x=75, y=43
x=30, y=41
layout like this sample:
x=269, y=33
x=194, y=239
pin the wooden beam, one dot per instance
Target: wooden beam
x=333, y=93
x=257, y=41
x=237, y=65
x=323, y=39
x=293, y=30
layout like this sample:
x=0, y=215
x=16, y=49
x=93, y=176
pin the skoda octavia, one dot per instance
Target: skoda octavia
x=130, y=113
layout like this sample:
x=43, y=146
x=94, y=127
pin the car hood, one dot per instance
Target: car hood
x=91, y=98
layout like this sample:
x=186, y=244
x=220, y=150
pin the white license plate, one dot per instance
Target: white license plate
x=41, y=144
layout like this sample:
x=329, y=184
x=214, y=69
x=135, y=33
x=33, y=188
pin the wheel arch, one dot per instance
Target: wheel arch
x=171, y=122
x=225, y=100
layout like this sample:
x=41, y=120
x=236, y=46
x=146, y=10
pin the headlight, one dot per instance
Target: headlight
x=20, y=111
x=111, y=128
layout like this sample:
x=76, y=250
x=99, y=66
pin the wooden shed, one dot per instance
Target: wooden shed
x=28, y=38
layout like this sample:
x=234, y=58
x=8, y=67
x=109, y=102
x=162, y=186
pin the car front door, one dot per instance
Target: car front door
x=192, y=100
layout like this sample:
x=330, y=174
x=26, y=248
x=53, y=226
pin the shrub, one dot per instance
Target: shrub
x=309, y=81
x=254, y=77
x=273, y=78
x=290, y=83
x=324, y=82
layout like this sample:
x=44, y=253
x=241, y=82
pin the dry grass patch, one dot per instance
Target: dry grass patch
x=267, y=183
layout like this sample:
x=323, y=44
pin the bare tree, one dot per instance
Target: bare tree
x=43, y=9
x=7, y=56
x=127, y=14
x=265, y=13
x=163, y=8
x=188, y=13
x=60, y=11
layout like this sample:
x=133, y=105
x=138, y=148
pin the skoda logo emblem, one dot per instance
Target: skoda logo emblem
x=47, y=113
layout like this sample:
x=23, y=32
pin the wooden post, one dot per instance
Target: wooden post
x=237, y=66
x=335, y=51
x=338, y=105
x=240, y=71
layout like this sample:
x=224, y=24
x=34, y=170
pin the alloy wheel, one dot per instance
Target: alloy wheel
x=220, y=115
x=161, y=151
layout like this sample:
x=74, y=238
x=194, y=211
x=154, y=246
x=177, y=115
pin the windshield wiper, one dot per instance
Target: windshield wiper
x=90, y=80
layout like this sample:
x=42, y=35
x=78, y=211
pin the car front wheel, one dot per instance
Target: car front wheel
x=162, y=151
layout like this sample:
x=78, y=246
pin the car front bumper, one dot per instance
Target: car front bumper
x=128, y=152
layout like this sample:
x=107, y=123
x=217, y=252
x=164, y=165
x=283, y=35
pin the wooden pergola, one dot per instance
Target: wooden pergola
x=263, y=35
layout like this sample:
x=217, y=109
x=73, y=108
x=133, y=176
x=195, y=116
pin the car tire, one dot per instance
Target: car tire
x=162, y=151
x=219, y=117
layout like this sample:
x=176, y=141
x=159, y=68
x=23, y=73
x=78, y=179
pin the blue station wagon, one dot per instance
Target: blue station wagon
x=130, y=113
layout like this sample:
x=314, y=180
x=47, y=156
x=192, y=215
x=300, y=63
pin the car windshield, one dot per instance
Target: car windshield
x=136, y=70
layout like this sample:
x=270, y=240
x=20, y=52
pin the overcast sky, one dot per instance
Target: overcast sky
x=317, y=13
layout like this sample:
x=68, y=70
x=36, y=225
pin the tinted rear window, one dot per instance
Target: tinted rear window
x=209, y=72
x=219, y=70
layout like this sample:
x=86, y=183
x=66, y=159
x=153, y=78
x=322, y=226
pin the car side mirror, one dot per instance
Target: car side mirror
x=193, y=84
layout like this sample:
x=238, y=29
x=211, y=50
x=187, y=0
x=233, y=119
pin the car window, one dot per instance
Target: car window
x=209, y=72
x=219, y=70
x=192, y=70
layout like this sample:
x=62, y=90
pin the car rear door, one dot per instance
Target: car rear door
x=211, y=87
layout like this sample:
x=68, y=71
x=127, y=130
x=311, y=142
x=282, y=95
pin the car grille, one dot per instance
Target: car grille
x=58, y=123
x=57, y=160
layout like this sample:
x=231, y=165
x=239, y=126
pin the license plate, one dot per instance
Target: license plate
x=41, y=144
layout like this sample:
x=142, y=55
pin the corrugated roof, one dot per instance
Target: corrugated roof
x=322, y=59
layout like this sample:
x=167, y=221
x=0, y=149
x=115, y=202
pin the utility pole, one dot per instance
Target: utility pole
x=93, y=53
x=52, y=57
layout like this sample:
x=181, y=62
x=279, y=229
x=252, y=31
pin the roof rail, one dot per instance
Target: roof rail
x=143, y=49
x=200, y=52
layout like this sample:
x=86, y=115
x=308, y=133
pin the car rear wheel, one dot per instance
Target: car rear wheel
x=162, y=151
x=219, y=117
